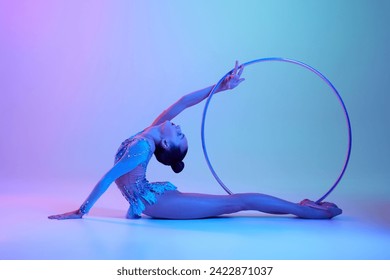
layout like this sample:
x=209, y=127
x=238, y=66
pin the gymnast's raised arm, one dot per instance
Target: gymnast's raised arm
x=191, y=99
x=123, y=166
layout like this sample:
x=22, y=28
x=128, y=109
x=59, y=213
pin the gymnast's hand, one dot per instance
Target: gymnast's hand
x=69, y=215
x=233, y=80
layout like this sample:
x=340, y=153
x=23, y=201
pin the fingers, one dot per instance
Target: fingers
x=240, y=70
x=63, y=217
x=54, y=217
x=233, y=79
x=235, y=68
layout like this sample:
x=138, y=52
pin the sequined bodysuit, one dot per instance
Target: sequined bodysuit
x=133, y=185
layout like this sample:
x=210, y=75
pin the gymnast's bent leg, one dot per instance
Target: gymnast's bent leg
x=177, y=205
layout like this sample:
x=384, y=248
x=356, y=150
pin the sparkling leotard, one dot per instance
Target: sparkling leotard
x=133, y=185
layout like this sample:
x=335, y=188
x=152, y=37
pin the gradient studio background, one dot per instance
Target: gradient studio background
x=78, y=77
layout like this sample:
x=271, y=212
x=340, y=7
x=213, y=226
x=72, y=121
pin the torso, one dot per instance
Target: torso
x=133, y=185
x=135, y=146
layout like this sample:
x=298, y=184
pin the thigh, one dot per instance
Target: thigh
x=177, y=205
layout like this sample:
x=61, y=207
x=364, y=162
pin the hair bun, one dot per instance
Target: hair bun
x=177, y=167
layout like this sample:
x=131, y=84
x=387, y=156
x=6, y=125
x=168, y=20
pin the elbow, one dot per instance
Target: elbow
x=185, y=102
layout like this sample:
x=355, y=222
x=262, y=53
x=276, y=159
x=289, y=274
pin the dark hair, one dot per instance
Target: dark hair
x=172, y=156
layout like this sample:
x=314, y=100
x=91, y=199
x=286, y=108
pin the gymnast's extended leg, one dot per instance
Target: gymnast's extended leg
x=177, y=205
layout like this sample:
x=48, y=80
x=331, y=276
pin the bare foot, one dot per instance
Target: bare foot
x=322, y=210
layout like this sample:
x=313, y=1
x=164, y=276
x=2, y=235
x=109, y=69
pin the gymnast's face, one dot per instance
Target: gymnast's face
x=174, y=136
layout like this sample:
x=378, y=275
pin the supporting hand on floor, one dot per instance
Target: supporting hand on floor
x=69, y=215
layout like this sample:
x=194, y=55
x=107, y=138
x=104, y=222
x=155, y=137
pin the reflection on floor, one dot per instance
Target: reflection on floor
x=26, y=233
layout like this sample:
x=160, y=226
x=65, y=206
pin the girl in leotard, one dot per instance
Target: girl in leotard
x=162, y=199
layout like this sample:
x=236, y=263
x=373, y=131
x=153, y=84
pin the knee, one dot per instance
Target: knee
x=247, y=201
x=238, y=203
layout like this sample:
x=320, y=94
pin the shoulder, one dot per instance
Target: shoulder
x=140, y=146
x=138, y=150
x=144, y=142
x=135, y=147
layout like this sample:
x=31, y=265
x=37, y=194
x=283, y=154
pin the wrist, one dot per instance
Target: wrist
x=84, y=209
x=218, y=89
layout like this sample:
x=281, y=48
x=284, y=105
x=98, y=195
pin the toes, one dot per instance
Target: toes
x=328, y=204
x=335, y=211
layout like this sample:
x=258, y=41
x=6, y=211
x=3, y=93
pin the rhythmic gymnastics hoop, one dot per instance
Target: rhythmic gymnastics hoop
x=306, y=66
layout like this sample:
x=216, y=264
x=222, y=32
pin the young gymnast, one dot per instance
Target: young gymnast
x=167, y=142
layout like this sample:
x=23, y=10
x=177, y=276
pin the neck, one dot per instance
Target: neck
x=153, y=133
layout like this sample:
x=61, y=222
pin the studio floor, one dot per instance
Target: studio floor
x=361, y=232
